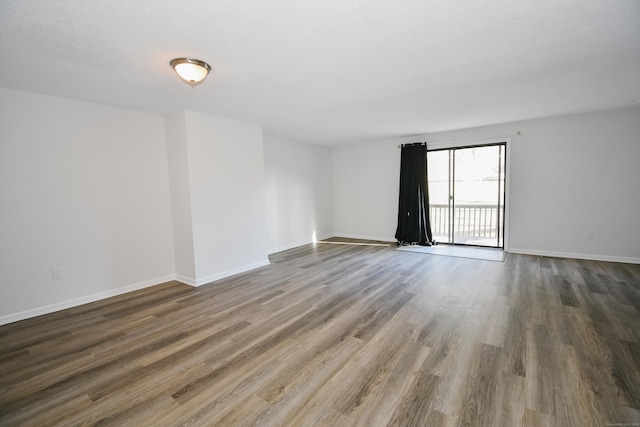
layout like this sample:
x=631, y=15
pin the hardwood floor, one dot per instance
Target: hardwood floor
x=342, y=335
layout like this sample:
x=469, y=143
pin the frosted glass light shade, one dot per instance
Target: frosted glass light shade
x=191, y=71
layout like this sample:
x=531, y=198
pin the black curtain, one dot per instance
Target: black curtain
x=414, y=226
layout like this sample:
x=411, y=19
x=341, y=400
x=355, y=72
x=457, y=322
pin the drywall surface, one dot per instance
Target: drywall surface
x=84, y=190
x=180, y=197
x=299, y=190
x=573, y=188
x=227, y=192
x=366, y=180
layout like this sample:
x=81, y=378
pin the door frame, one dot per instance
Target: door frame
x=468, y=143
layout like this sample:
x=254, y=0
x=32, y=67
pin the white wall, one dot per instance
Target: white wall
x=366, y=179
x=573, y=188
x=227, y=192
x=180, y=186
x=83, y=188
x=298, y=179
x=89, y=189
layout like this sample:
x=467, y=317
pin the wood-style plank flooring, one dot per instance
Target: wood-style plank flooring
x=342, y=335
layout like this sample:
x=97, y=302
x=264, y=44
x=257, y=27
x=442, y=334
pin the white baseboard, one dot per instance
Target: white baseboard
x=63, y=305
x=365, y=237
x=39, y=311
x=591, y=257
x=232, y=272
x=186, y=280
x=290, y=246
x=326, y=236
x=297, y=244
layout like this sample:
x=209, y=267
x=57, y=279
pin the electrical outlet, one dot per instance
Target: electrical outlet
x=56, y=273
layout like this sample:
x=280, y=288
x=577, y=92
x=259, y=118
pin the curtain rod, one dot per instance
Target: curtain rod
x=412, y=143
x=484, y=138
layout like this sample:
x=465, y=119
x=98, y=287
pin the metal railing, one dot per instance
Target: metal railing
x=479, y=221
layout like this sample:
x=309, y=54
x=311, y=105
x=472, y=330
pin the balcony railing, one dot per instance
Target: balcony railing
x=471, y=221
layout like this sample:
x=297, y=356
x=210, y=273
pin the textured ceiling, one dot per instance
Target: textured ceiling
x=332, y=71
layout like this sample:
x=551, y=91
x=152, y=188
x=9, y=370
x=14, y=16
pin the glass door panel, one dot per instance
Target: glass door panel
x=466, y=191
x=476, y=196
x=438, y=169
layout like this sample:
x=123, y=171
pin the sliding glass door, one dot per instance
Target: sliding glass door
x=466, y=193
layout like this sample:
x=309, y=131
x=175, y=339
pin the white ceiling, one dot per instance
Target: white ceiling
x=332, y=71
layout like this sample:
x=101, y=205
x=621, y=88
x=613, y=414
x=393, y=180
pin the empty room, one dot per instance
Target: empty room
x=300, y=213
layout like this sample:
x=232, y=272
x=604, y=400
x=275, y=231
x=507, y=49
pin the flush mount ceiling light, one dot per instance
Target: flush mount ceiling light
x=191, y=71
